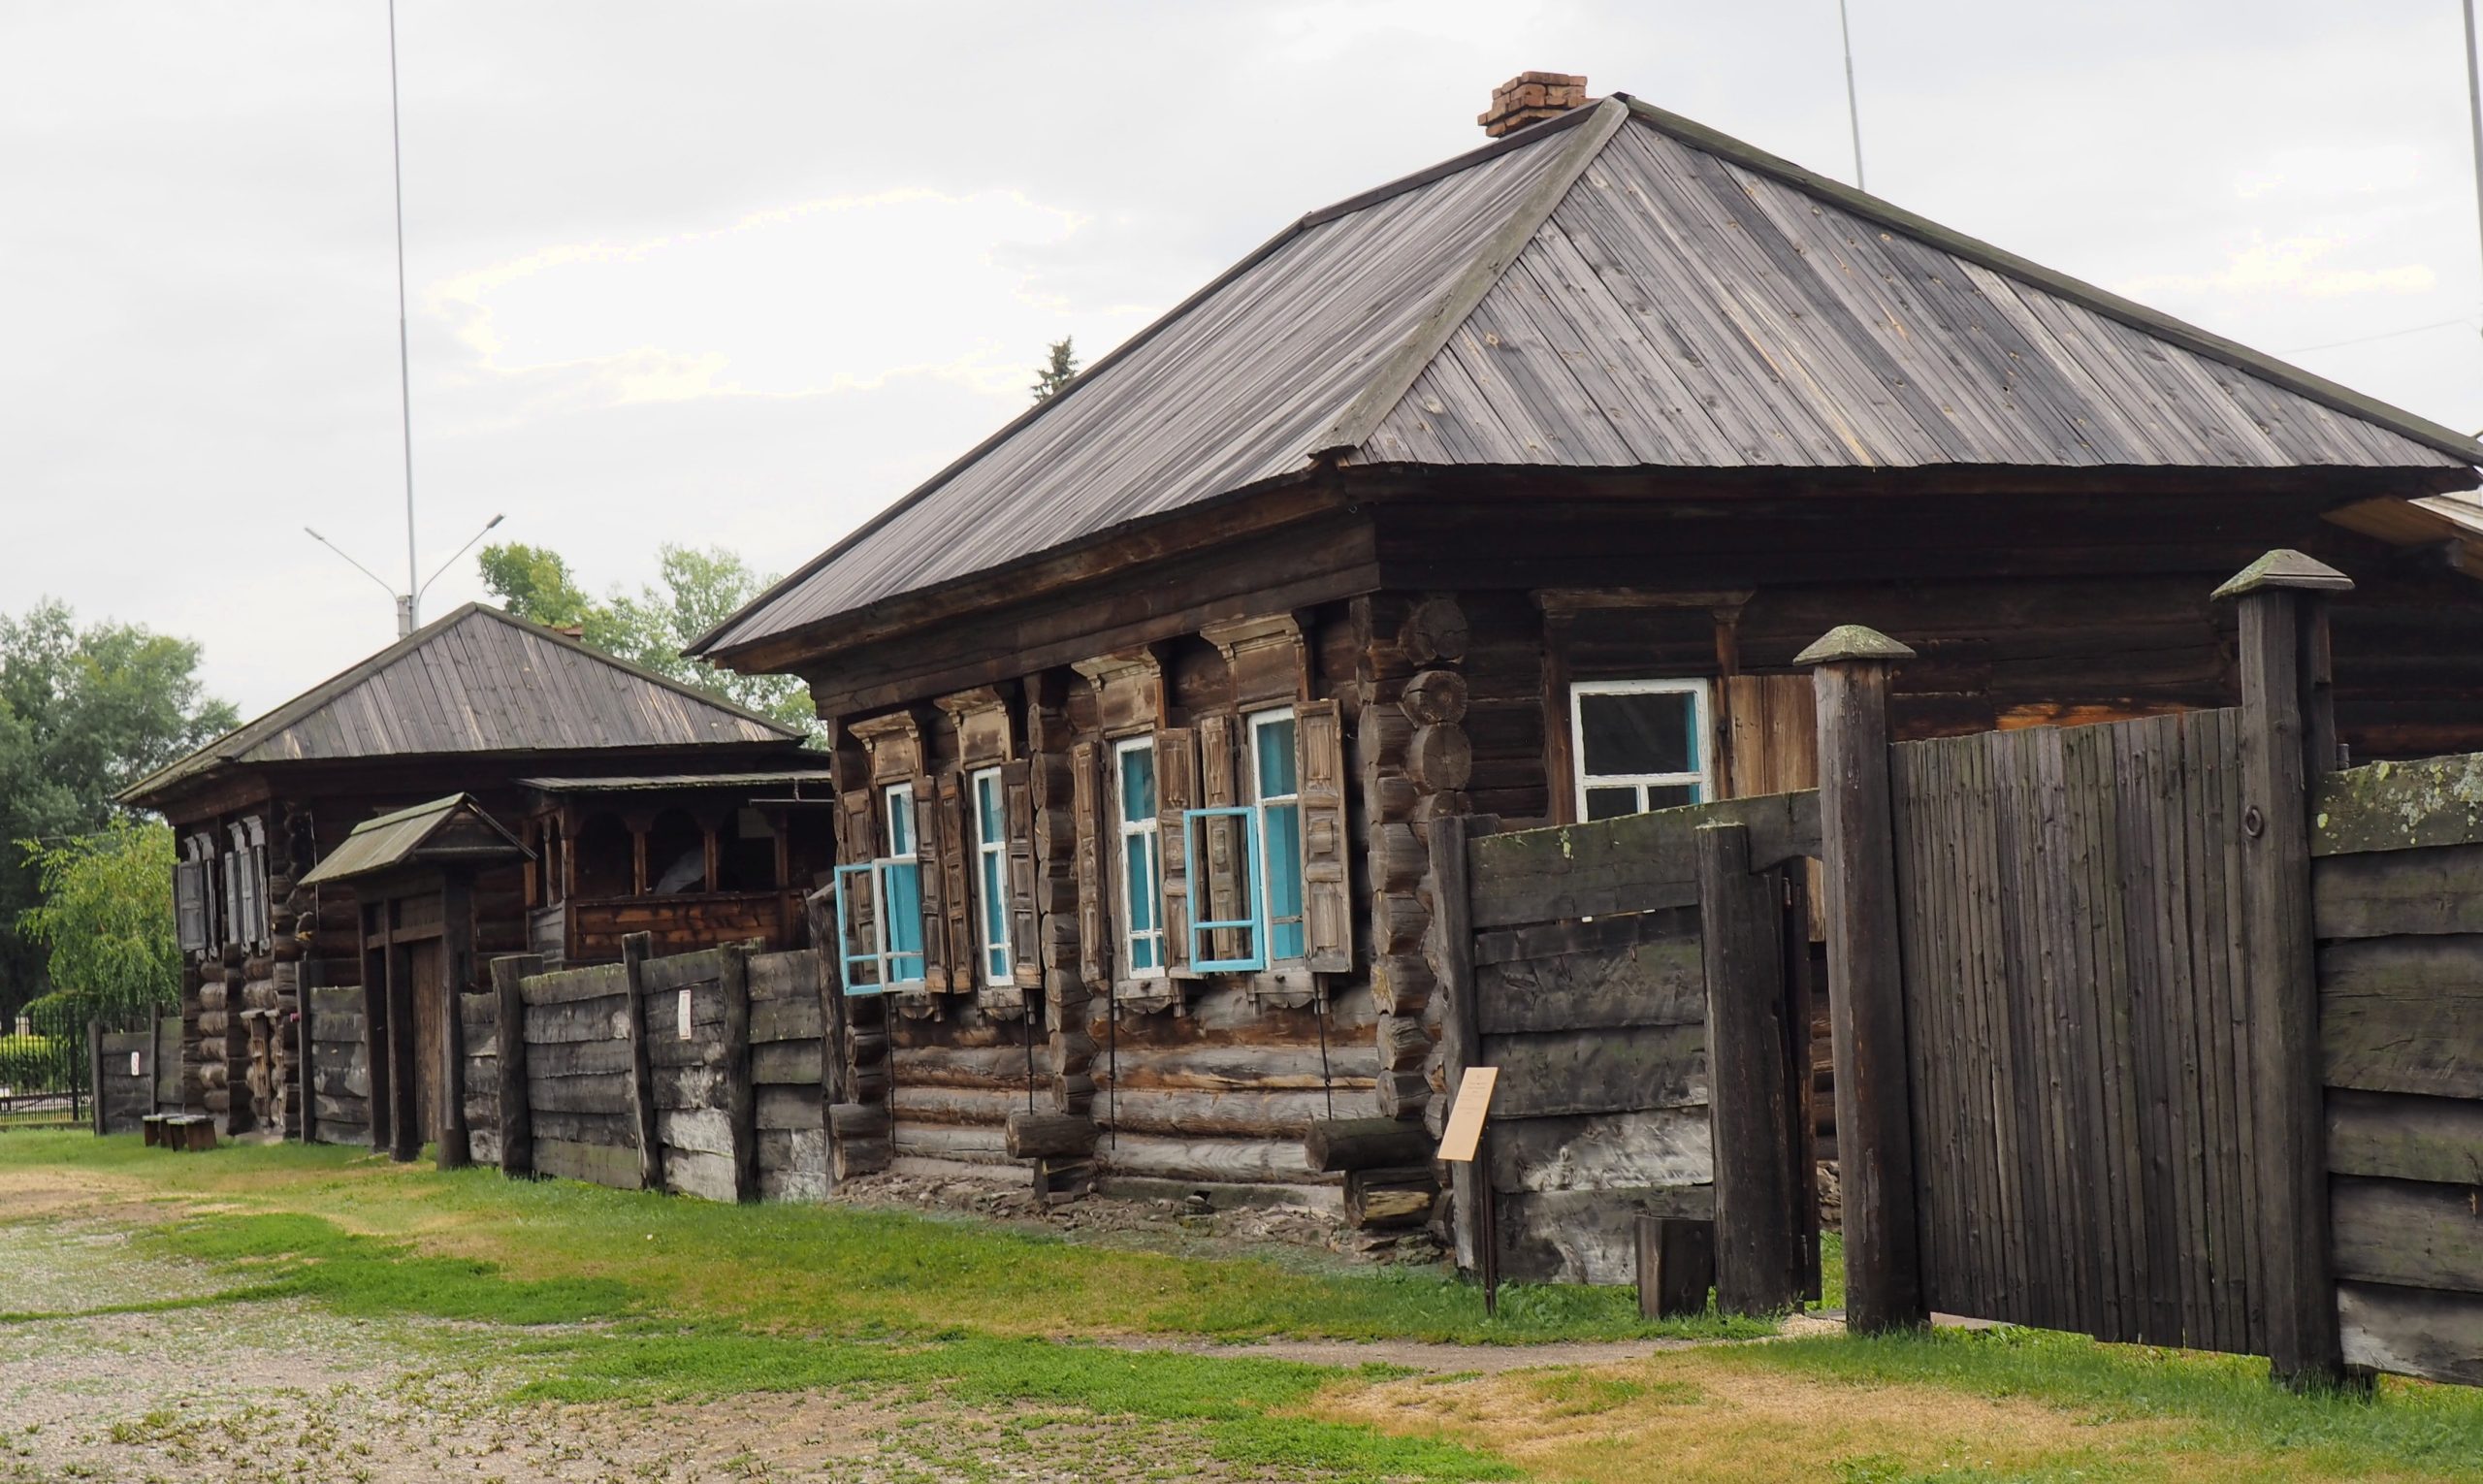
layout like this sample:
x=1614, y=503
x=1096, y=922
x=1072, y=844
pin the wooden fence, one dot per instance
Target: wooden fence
x=698, y=1073
x=1642, y=986
x=2163, y=1030
x=2397, y=895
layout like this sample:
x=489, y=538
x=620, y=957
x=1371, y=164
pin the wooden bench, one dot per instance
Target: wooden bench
x=189, y=1133
x=151, y=1127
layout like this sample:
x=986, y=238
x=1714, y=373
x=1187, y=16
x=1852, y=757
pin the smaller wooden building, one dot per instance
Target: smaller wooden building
x=413, y=875
x=476, y=705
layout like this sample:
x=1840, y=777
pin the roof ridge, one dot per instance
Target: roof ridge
x=1396, y=375
x=2102, y=301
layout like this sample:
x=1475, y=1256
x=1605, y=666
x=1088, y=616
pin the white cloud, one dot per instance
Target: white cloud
x=2294, y=266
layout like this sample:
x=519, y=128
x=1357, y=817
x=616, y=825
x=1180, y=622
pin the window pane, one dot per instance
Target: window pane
x=990, y=819
x=995, y=912
x=903, y=892
x=1611, y=803
x=1138, y=861
x=900, y=821
x=1276, y=759
x=1137, y=784
x=1671, y=795
x=1283, y=845
x=1653, y=734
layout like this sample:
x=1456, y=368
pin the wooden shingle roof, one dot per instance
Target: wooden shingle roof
x=1616, y=288
x=445, y=831
x=477, y=681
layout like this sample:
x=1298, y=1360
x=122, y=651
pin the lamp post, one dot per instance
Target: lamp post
x=408, y=604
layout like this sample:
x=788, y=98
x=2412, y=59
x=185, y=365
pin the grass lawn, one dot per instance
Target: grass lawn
x=603, y=1298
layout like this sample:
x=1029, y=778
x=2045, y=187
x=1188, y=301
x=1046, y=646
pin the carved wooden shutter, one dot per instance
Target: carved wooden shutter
x=189, y=904
x=1176, y=793
x=861, y=846
x=931, y=855
x=1327, y=892
x=955, y=863
x=1224, y=842
x=259, y=913
x=1017, y=827
x=1094, y=878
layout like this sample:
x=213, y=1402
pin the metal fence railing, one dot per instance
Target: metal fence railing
x=48, y=1065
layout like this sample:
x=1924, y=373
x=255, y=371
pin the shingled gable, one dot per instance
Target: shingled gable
x=476, y=681
x=1618, y=287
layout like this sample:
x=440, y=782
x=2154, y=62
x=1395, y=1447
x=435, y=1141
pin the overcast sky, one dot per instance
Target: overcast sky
x=741, y=273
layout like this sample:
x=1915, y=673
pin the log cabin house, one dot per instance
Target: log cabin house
x=1511, y=488
x=632, y=803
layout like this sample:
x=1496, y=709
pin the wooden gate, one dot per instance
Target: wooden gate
x=2070, y=926
x=1643, y=986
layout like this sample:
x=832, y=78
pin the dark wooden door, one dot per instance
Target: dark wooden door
x=423, y=964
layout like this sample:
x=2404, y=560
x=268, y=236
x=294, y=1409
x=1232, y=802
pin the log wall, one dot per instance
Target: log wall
x=340, y=1073
x=2397, y=892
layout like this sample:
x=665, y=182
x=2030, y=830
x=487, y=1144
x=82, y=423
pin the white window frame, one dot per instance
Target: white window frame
x=991, y=879
x=1702, y=722
x=1151, y=828
x=1260, y=803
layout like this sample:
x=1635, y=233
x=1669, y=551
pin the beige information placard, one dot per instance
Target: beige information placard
x=1465, y=1130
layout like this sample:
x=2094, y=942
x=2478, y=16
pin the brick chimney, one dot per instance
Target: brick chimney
x=1531, y=97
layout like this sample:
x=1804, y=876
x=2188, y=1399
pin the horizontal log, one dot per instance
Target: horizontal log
x=1047, y=1135
x=2395, y=806
x=789, y=1108
x=858, y=1120
x=792, y=975
x=699, y=1172
x=604, y=1018
x=2412, y=1332
x=1586, y=1235
x=1248, y=1161
x=1644, y=969
x=787, y=1019
x=1385, y=1199
x=664, y=976
x=2403, y=1015
x=2408, y=1233
x=1657, y=1147
x=619, y=1130
x=580, y=1094
x=1638, y=863
x=598, y=1164
x=1598, y=1072
x=1365, y=1144
x=565, y=986
x=339, y=1028
x=792, y=1063
x=1435, y=696
x=792, y=1165
x=326, y=1003
x=983, y=1144
x=483, y=1146
x=2404, y=1137
x=685, y=1087
x=577, y=1058
x=2427, y=892
x=696, y=1130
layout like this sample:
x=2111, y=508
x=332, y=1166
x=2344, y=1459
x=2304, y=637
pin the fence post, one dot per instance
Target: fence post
x=508, y=1032
x=741, y=1098
x=456, y=967
x=1884, y=1287
x=1758, y=1268
x=95, y=1068
x=2287, y=734
x=634, y=948
x=1460, y=1033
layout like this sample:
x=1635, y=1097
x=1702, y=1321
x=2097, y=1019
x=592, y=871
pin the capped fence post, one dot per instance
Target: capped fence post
x=1884, y=1288
x=741, y=1097
x=2288, y=733
x=509, y=1030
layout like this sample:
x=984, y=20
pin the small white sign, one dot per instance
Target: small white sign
x=133, y=1064
x=685, y=1015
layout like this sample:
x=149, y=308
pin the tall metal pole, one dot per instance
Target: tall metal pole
x=409, y=613
x=1853, y=108
x=2475, y=112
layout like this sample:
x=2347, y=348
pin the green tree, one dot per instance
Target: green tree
x=105, y=921
x=1055, y=373
x=84, y=712
x=695, y=591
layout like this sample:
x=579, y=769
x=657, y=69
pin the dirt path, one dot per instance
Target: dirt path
x=1453, y=1359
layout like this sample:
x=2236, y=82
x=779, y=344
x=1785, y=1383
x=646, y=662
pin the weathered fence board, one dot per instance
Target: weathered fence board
x=2385, y=894
x=1634, y=864
x=2403, y=1015
x=2413, y=1233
